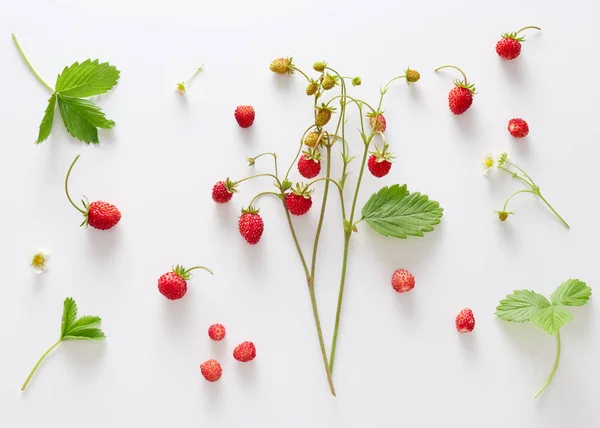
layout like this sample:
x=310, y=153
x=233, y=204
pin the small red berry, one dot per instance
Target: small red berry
x=244, y=352
x=381, y=124
x=244, y=116
x=509, y=47
x=379, y=162
x=216, y=332
x=403, y=281
x=518, y=128
x=309, y=167
x=465, y=322
x=223, y=191
x=211, y=370
x=251, y=225
x=298, y=204
x=460, y=97
x=173, y=285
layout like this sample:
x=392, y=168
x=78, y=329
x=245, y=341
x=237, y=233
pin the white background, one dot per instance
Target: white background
x=400, y=361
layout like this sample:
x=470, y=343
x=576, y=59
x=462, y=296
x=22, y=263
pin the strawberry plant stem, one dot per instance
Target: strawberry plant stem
x=67, y=186
x=262, y=194
x=254, y=176
x=515, y=194
x=556, y=361
x=38, y=364
x=528, y=27
x=456, y=68
x=29, y=64
x=199, y=267
x=195, y=73
x=553, y=210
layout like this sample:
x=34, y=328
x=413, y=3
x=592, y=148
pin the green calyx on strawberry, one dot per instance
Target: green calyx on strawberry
x=382, y=154
x=329, y=82
x=302, y=189
x=515, y=34
x=312, y=153
x=182, y=272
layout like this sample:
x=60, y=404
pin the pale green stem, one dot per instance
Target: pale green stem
x=515, y=175
x=199, y=267
x=262, y=194
x=67, y=186
x=456, y=68
x=515, y=194
x=255, y=176
x=313, y=263
x=29, y=64
x=194, y=75
x=38, y=364
x=553, y=210
x=556, y=361
x=299, y=151
x=528, y=27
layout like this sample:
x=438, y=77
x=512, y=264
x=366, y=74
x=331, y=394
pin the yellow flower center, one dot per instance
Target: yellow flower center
x=488, y=162
x=38, y=260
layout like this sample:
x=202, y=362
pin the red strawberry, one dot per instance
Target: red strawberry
x=173, y=285
x=509, y=47
x=298, y=201
x=244, y=352
x=518, y=128
x=460, y=97
x=251, y=225
x=465, y=322
x=244, y=116
x=381, y=124
x=309, y=164
x=403, y=281
x=99, y=215
x=211, y=370
x=380, y=161
x=216, y=332
x=222, y=191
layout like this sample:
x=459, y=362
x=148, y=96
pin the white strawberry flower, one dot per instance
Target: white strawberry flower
x=39, y=261
x=488, y=163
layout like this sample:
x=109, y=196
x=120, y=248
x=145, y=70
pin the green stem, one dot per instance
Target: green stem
x=38, y=363
x=67, y=186
x=354, y=100
x=255, y=176
x=553, y=210
x=262, y=194
x=556, y=361
x=199, y=267
x=302, y=73
x=338, y=311
x=29, y=64
x=515, y=175
x=327, y=178
x=515, y=194
x=385, y=88
x=456, y=68
x=255, y=158
x=528, y=27
x=299, y=150
x=194, y=75
x=523, y=171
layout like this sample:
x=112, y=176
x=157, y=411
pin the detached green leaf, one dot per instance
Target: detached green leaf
x=46, y=125
x=69, y=315
x=521, y=305
x=572, y=292
x=82, y=118
x=87, y=79
x=86, y=334
x=551, y=319
x=394, y=211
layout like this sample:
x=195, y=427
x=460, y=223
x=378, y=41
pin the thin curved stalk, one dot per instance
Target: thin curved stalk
x=556, y=361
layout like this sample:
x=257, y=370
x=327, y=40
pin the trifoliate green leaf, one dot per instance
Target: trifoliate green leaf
x=87, y=79
x=84, y=328
x=551, y=319
x=394, y=211
x=521, y=305
x=82, y=118
x=46, y=125
x=572, y=292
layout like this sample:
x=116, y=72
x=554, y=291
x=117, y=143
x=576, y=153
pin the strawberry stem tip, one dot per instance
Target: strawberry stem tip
x=187, y=271
x=39, y=78
x=454, y=67
x=82, y=211
x=527, y=28
x=556, y=361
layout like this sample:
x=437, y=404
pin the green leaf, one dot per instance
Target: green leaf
x=86, y=334
x=82, y=118
x=393, y=211
x=551, y=319
x=46, y=125
x=87, y=79
x=572, y=292
x=69, y=315
x=85, y=322
x=521, y=305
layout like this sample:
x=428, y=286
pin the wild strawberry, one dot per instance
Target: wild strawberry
x=509, y=47
x=380, y=126
x=356, y=81
x=319, y=66
x=323, y=115
x=312, y=87
x=329, y=82
x=311, y=139
x=282, y=66
x=518, y=128
x=244, y=116
x=403, y=281
x=411, y=76
x=298, y=201
x=173, y=285
x=309, y=164
x=222, y=191
x=460, y=97
x=216, y=332
x=379, y=162
x=100, y=215
x=244, y=352
x=465, y=322
x=251, y=225
x=211, y=370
